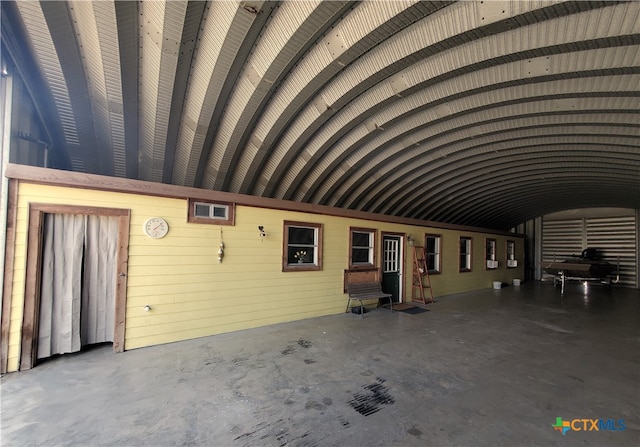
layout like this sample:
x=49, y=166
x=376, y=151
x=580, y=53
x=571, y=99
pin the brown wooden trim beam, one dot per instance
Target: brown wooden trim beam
x=55, y=177
x=29, y=338
x=122, y=265
x=9, y=259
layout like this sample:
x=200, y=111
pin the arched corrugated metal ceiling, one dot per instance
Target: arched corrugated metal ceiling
x=484, y=113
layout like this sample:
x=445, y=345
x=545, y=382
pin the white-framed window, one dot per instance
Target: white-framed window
x=362, y=248
x=465, y=254
x=511, y=255
x=302, y=250
x=432, y=251
x=211, y=210
x=204, y=211
x=490, y=254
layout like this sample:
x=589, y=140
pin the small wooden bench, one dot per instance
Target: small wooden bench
x=361, y=291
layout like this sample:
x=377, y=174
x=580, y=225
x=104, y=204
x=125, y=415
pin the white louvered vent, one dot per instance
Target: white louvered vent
x=615, y=239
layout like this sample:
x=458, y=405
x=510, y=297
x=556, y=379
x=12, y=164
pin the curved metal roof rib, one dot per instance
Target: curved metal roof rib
x=480, y=113
x=225, y=33
x=293, y=30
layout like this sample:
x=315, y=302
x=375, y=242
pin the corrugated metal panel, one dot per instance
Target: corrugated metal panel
x=478, y=116
x=615, y=239
x=210, y=67
x=328, y=164
x=47, y=57
x=273, y=162
x=171, y=35
x=561, y=239
x=98, y=42
x=233, y=116
x=442, y=174
x=315, y=22
x=150, y=22
x=296, y=25
x=218, y=161
x=356, y=27
x=395, y=155
x=499, y=124
x=476, y=53
x=330, y=129
x=161, y=26
x=487, y=107
x=282, y=29
x=184, y=50
x=63, y=33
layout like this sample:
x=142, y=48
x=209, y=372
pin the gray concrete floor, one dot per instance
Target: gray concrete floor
x=489, y=368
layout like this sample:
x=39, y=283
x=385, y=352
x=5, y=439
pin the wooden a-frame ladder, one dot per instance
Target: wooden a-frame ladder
x=421, y=280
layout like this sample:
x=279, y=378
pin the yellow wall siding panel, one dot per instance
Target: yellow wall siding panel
x=192, y=295
x=179, y=269
x=17, y=297
x=160, y=327
x=165, y=315
x=199, y=257
x=452, y=281
x=170, y=337
x=15, y=326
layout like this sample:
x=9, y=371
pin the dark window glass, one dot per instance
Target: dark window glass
x=431, y=262
x=360, y=255
x=301, y=236
x=360, y=239
x=219, y=211
x=202, y=210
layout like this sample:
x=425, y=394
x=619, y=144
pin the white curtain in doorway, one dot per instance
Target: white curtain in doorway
x=77, y=296
x=98, y=289
x=59, y=328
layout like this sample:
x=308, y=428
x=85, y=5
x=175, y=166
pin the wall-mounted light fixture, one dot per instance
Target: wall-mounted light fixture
x=262, y=232
x=411, y=240
x=147, y=308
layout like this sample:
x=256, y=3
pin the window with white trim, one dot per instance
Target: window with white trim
x=362, y=248
x=205, y=211
x=302, y=249
x=211, y=210
x=511, y=255
x=490, y=254
x=465, y=254
x=432, y=251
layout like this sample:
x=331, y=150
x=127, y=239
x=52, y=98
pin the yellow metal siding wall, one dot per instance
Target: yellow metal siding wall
x=192, y=295
x=198, y=296
x=451, y=280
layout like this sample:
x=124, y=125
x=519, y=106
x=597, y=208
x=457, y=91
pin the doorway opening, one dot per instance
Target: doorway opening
x=76, y=280
x=392, y=265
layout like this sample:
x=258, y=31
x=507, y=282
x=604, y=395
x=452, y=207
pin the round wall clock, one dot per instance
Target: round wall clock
x=156, y=227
